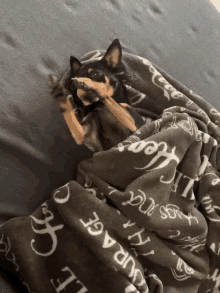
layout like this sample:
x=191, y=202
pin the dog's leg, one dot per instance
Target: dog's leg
x=59, y=93
x=120, y=113
x=83, y=84
x=71, y=121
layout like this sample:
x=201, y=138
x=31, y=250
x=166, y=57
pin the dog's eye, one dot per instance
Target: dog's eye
x=96, y=74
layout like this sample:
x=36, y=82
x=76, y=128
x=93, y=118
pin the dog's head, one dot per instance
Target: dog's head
x=96, y=91
x=96, y=79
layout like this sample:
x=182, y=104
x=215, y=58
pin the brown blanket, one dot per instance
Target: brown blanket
x=142, y=216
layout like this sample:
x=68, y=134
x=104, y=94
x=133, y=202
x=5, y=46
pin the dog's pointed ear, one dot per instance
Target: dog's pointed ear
x=112, y=57
x=75, y=64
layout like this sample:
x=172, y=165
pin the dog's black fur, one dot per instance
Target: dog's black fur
x=95, y=86
x=110, y=131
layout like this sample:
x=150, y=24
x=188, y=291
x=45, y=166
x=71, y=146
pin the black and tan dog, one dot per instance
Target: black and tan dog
x=89, y=102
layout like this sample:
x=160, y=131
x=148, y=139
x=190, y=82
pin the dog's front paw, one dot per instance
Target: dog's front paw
x=53, y=82
x=57, y=89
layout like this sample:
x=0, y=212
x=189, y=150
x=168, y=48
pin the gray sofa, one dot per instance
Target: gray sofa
x=37, y=153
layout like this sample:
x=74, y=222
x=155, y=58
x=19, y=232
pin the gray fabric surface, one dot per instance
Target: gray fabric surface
x=37, y=153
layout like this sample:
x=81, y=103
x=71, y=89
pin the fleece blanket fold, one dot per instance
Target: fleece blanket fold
x=141, y=217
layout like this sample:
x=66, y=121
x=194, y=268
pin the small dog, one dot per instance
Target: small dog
x=92, y=100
